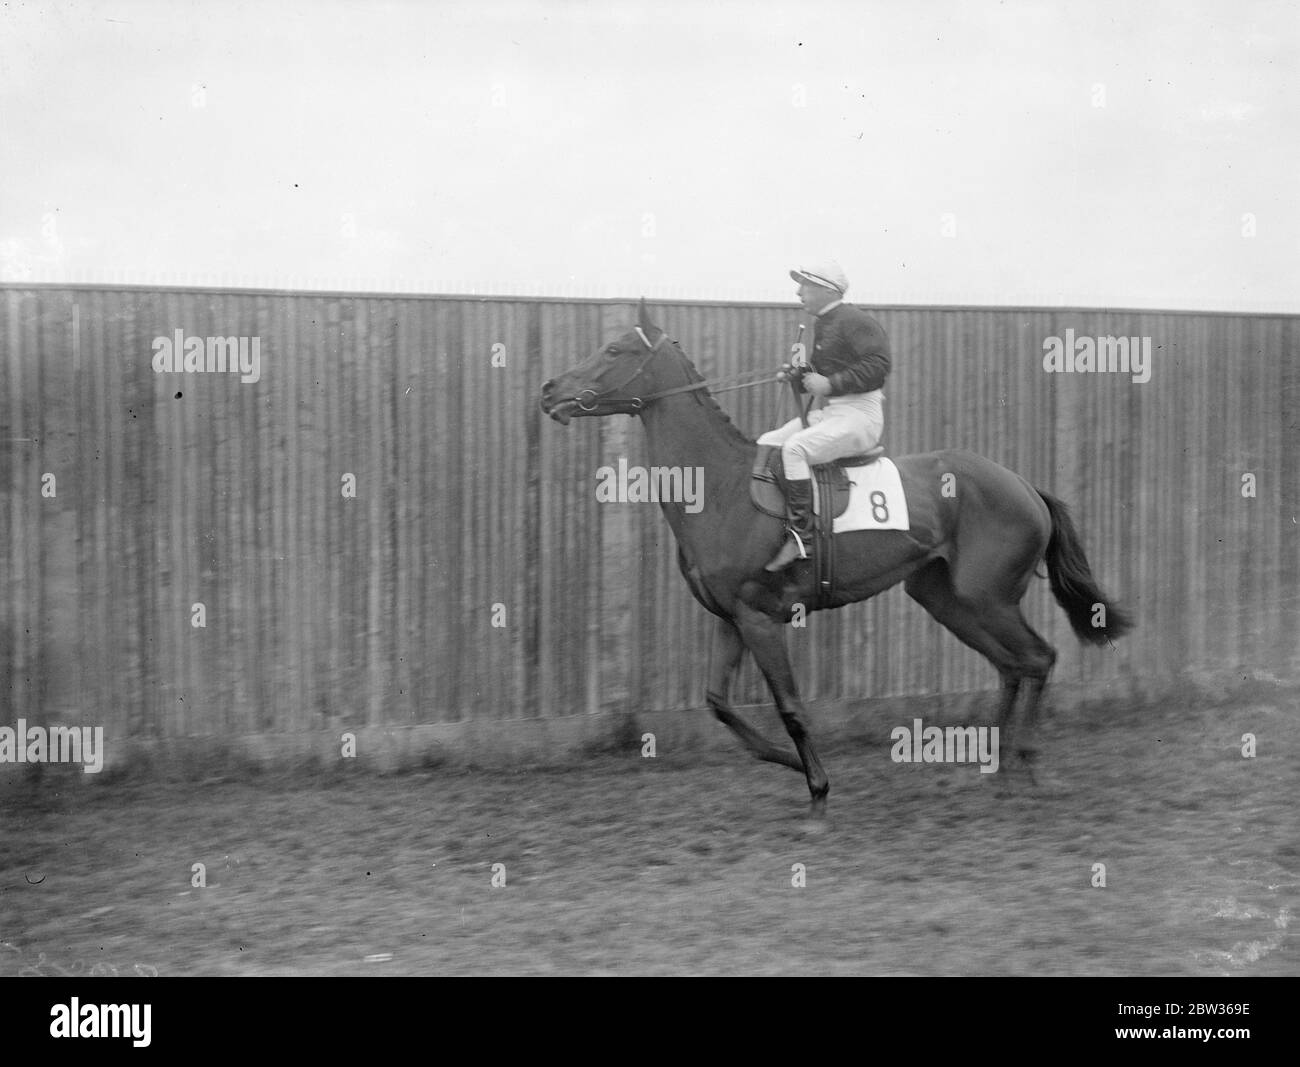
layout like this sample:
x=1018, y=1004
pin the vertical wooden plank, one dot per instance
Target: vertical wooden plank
x=1288, y=337
x=368, y=517
x=610, y=626
x=319, y=491
x=448, y=506
x=337, y=546
x=425, y=388
x=170, y=581
x=556, y=335
x=113, y=555
x=532, y=520
x=290, y=360
x=387, y=373
x=139, y=515
x=92, y=575
x=24, y=488
x=243, y=615
x=396, y=315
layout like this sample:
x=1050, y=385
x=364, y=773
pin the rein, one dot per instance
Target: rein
x=716, y=388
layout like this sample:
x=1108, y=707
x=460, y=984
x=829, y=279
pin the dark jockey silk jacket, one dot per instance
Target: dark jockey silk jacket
x=851, y=349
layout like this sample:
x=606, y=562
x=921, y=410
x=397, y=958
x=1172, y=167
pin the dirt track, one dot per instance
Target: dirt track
x=683, y=865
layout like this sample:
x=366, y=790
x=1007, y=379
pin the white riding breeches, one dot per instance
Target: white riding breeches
x=846, y=426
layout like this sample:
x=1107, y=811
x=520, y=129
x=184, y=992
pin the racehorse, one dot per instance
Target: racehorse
x=978, y=533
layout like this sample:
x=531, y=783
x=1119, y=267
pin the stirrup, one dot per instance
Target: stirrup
x=788, y=553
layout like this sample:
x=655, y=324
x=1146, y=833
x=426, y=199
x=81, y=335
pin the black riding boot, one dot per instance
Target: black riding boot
x=799, y=496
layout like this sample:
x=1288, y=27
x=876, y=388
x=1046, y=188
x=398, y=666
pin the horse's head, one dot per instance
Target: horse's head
x=616, y=380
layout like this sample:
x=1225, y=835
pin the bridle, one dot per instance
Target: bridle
x=638, y=403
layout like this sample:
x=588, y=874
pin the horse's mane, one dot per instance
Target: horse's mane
x=729, y=428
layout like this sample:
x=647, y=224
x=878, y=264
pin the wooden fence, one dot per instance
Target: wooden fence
x=474, y=576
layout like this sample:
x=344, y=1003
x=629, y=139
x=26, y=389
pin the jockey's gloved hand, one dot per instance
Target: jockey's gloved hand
x=817, y=384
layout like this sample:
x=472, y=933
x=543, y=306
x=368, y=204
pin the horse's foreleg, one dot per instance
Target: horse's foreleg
x=765, y=638
x=724, y=659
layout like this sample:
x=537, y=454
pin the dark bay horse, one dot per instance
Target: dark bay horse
x=967, y=559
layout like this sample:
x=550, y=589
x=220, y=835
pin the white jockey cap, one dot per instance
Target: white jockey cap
x=826, y=273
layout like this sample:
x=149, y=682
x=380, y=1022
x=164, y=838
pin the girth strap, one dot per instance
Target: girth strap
x=824, y=525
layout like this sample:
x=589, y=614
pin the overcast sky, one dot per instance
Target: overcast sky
x=1099, y=154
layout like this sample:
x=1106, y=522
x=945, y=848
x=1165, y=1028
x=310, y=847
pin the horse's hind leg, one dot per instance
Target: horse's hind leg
x=992, y=625
x=724, y=659
x=1035, y=659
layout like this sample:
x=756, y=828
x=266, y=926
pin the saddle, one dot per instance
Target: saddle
x=831, y=488
x=767, y=482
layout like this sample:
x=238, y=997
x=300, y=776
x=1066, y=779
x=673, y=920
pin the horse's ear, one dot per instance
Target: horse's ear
x=643, y=317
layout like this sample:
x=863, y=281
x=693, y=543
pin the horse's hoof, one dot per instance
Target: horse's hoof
x=815, y=823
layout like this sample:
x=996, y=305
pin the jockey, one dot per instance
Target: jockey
x=847, y=368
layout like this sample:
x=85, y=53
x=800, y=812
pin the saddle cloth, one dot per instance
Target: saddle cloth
x=876, y=501
x=865, y=492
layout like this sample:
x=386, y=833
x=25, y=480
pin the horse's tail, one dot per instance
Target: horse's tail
x=1094, y=619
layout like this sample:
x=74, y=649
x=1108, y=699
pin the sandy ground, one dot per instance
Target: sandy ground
x=683, y=864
